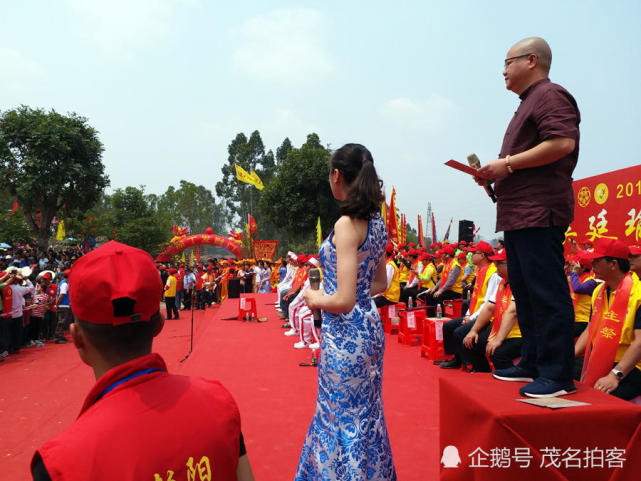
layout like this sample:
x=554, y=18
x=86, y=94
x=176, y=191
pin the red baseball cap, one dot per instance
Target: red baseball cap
x=461, y=255
x=609, y=248
x=635, y=250
x=389, y=248
x=448, y=249
x=482, y=246
x=115, y=284
x=583, y=258
x=501, y=256
x=46, y=275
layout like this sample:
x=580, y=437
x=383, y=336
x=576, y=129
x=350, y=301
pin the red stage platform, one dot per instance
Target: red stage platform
x=498, y=438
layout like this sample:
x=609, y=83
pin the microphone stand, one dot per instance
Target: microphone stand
x=191, y=335
x=314, y=278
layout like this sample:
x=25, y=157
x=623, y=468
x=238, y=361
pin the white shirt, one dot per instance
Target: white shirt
x=490, y=294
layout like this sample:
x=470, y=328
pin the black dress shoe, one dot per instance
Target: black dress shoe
x=451, y=364
x=438, y=362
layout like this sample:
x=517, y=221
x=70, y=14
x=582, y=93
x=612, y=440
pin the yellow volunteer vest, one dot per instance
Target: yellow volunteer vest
x=627, y=332
x=171, y=290
x=482, y=289
x=428, y=276
x=404, y=274
x=393, y=292
x=458, y=283
x=582, y=302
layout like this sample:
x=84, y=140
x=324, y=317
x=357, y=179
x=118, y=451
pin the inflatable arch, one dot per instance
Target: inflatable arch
x=182, y=243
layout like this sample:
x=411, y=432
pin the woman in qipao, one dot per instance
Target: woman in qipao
x=347, y=438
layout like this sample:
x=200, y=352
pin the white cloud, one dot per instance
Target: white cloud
x=284, y=46
x=17, y=69
x=422, y=114
x=120, y=27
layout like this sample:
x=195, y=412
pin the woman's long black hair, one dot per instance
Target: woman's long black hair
x=364, y=195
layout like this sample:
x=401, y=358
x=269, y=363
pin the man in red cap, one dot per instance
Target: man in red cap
x=450, y=285
x=138, y=422
x=392, y=292
x=63, y=308
x=611, y=344
x=582, y=285
x=171, y=288
x=501, y=341
x=635, y=260
x=487, y=282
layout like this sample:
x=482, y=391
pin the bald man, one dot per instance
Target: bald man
x=535, y=205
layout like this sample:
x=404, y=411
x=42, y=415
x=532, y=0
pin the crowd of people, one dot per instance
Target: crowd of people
x=35, y=296
x=200, y=286
x=36, y=306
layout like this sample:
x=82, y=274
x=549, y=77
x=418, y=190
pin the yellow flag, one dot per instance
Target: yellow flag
x=191, y=258
x=60, y=235
x=182, y=257
x=257, y=182
x=319, y=234
x=384, y=212
x=244, y=176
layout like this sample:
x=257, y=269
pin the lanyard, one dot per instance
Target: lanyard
x=125, y=379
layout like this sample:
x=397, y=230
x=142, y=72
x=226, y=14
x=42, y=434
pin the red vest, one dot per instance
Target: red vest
x=7, y=301
x=199, y=280
x=180, y=275
x=152, y=426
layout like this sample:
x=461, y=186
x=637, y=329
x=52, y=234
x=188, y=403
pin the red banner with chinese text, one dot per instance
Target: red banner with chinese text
x=608, y=206
x=265, y=249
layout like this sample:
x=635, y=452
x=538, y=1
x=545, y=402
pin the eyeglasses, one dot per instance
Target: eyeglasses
x=508, y=61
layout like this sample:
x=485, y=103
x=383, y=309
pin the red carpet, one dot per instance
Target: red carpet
x=42, y=389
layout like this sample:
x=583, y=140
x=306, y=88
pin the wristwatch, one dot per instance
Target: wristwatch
x=617, y=373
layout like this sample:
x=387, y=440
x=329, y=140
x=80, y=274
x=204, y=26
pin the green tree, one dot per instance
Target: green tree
x=49, y=161
x=283, y=150
x=192, y=206
x=13, y=228
x=128, y=215
x=300, y=193
x=239, y=198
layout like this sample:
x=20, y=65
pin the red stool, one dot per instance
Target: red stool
x=411, y=326
x=453, y=308
x=391, y=326
x=432, y=346
x=247, y=307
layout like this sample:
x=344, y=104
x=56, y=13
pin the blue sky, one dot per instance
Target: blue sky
x=169, y=83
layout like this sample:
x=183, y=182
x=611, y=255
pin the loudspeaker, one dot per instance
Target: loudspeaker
x=466, y=231
x=233, y=287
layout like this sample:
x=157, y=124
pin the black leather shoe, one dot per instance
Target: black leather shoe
x=451, y=364
x=438, y=362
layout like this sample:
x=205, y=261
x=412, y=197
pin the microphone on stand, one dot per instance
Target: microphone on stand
x=314, y=277
x=314, y=284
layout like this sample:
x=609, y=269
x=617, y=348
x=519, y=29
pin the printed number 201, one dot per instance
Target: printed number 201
x=628, y=189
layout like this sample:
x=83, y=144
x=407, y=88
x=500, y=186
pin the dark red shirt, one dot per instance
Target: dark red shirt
x=539, y=196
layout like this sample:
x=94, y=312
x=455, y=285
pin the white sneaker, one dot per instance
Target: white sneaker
x=291, y=332
x=300, y=345
x=315, y=345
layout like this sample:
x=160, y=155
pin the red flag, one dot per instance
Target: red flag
x=434, y=239
x=392, y=224
x=252, y=226
x=197, y=254
x=14, y=207
x=421, y=240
